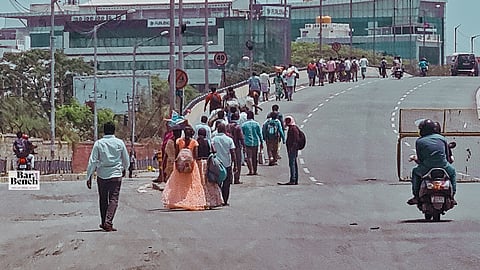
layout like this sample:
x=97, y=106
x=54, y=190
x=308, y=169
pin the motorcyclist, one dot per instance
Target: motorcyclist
x=31, y=150
x=423, y=65
x=397, y=64
x=432, y=152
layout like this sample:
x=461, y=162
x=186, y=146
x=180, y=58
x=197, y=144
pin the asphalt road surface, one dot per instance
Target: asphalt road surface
x=348, y=211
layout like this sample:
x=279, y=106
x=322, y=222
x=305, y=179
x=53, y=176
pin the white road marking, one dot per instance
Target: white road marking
x=407, y=144
x=306, y=170
x=301, y=126
x=305, y=121
x=309, y=115
x=316, y=109
x=302, y=161
x=313, y=179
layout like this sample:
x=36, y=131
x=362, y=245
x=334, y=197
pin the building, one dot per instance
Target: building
x=410, y=28
x=229, y=27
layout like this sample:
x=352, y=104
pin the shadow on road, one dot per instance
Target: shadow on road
x=422, y=220
x=90, y=231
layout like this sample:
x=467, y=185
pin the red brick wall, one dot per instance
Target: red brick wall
x=81, y=153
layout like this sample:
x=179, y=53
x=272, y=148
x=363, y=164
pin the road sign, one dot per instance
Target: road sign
x=181, y=79
x=220, y=58
x=336, y=46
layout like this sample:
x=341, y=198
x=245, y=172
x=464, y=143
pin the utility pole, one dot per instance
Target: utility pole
x=455, y=38
x=321, y=26
x=171, y=65
x=207, y=66
x=52, y=79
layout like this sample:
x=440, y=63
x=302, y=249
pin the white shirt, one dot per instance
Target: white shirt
x=264, y=78
x=363, y=62
x=348, y=64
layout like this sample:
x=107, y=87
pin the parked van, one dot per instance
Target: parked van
x=464, y=63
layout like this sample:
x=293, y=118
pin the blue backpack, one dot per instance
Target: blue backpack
x=216, y=171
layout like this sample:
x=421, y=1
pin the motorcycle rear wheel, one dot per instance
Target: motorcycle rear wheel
x=428, y=216
x=436, y=217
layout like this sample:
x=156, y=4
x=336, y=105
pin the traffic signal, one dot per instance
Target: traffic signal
x=249, y=45
x=125, y=119
x=183, y=28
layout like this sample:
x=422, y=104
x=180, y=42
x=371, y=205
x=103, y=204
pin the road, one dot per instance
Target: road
x=348, y=212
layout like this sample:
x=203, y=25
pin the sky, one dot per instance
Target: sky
x=459, y=12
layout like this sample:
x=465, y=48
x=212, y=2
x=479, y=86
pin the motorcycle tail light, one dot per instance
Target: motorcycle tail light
x=437, y=185
x=22, y=160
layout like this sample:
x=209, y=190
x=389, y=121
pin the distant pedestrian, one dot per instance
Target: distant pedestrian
x=254, y=88
x=234, y=129
x=214, y=99
x=170, y=152
x=354, y=69
x=272, y=134
x=348, y=69
x=275, y=109
x=280, y=86
x=293, y=137
x=290, y=79
x=312, y=73
x=321, y=71
x=109, y=159
x=252, y=134
x=133, y=161
x=264, y=85
x=225, y=149
x=203, y=124
x=331, y=68
x=363, y=66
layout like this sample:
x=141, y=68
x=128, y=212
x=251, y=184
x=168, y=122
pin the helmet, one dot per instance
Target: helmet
x=427, y=127
x=25, y=136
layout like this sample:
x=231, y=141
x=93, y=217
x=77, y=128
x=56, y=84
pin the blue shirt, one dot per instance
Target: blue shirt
x=223, y=144
x=252, y=133
x=109, y=158
x=432, y=151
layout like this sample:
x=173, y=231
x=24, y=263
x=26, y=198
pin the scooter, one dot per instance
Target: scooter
x=436, y=195
x=423, y=71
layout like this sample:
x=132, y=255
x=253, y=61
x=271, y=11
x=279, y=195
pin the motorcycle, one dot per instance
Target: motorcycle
x=398, y=73
x=24, y=164
x=436, y=194
x=423, y=71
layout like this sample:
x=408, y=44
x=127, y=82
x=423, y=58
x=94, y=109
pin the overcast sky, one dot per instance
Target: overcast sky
x=463, y=12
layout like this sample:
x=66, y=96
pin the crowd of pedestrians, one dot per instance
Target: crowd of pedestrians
x=231, y=134
x=336, y=70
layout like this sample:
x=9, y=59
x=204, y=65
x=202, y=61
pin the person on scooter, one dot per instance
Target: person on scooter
x=432, y=152
x=423, y=65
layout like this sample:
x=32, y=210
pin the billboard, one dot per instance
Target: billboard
x=113, y=91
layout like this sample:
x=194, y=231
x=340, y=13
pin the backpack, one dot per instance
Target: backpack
x=272, y=129
x=184, y=161
x=302, y=140
x=20, y=148
x=216, y=171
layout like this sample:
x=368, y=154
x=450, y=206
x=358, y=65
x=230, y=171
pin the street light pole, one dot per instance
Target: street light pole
x=171, y=66
x=471, y=41
x=95, y=69
x=321, y=27
x=206, y=63
x=455, y=38
x=52, y=79
x=350, y=30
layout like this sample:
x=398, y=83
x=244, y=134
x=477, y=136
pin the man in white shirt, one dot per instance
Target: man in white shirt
x=264, y=85
x=363, y=66
x=348, y=67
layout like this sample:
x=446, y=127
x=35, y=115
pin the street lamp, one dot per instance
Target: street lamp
x=52, y=79
x=455, y=38
x=95, y=69
x=134, y=81
x=471, y=41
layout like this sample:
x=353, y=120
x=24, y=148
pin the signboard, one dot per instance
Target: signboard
x=189, y=22
x=336, y=46
x=181, y=79
x=276, y=11
x=220, y=58
x=95, y=17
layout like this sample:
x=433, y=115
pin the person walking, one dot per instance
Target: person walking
x=264, y=85
x=184, y=190
x=225, y=149
x=331, y=68
x=363, y=66
x=312, y=73
x=170, y=152
x=272, y=133
x=275, y=109
x=213, y=193
x=293, y=137
x=321, y=70
x=253, y=139
x=354, y=69
x=109, y=159
x=280, y=86
x=348, y=69
x=290, y=77
x=236, y=133
x=133, y=160
x=214, y=99
x=254, y=88
x=203, y=124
